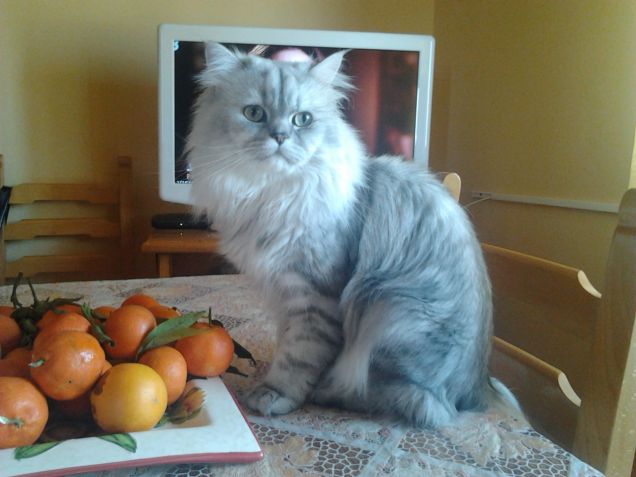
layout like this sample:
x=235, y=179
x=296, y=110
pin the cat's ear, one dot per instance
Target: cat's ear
x=218, y=60
x=328, y=69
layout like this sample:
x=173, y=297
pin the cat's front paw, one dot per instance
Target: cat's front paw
x=269, y=401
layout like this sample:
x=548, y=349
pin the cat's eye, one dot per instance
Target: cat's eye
x=302, y=119
x=254, y=113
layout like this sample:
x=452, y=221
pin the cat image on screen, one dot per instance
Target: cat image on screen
x=372, y=270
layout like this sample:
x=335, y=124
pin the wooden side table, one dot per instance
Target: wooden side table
x=167, y=242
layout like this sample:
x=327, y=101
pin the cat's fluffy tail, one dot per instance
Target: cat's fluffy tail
x=503, y=400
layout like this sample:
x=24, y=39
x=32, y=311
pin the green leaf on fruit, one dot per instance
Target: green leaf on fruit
x=25, y=452
x=172, y=330
x=125, y=441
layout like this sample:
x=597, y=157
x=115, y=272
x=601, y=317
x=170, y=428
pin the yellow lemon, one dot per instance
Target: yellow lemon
x=129, y=397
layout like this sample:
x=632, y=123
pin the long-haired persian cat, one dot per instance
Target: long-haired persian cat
x=371, y=268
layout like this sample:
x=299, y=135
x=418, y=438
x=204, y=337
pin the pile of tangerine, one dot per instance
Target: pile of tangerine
x=68, y=370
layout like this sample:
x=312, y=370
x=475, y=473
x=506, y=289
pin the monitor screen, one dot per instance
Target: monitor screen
x=389, y=107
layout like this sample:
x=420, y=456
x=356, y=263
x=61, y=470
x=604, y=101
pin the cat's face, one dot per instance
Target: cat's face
x=264, y=115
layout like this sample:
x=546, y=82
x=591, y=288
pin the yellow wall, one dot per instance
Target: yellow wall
x=538, y=97
x=78, y=78
x=531, y=97
x=632, y=175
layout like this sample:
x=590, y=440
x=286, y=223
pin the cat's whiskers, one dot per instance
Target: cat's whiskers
x=189, y=144
x=223, y=163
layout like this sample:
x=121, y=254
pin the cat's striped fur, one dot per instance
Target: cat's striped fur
x=371, y=268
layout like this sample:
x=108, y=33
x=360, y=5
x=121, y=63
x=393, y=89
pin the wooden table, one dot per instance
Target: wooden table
x=167, y=242
x=317, y=441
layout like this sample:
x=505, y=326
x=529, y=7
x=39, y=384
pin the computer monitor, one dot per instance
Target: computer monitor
x=390, y=105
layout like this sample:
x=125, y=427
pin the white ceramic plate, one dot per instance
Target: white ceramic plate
x=219, y=433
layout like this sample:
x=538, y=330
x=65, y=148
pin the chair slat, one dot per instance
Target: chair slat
x=31, y=228
x=453, y=183
x=34, y=264
x=92, y=193
x=557, y=377
x=543, y=392
x=532, y=295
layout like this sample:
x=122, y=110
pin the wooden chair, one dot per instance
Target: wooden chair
x=568, y=352
x=104, y=220
x=453, y=183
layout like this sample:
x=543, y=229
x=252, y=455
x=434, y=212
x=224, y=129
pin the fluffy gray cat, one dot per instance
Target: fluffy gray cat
x=371, y=268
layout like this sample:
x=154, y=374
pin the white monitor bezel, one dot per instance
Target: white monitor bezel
x=169, y=189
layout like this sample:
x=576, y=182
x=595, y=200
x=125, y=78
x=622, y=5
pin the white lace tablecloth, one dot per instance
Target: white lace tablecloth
x=316, y=441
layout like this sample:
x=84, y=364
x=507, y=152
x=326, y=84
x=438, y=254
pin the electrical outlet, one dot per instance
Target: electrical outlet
x=481, y=195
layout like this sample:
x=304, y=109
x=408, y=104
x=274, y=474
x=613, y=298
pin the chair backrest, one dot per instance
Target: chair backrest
x=453, y=183
x=543, y=326
x=568, y=353
x=101, y=228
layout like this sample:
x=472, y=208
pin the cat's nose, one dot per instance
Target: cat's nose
x=279, y=137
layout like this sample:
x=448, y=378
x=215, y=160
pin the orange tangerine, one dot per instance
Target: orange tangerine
x=79, y=407
x=104, y=311
x=129, y=397
x=16, y=363
x=67, y=364
x=64, y=322
x=207, y=354
x=6, y=310
x=25, y=407
x=164, y=312
x=171, y=366
x=52, y=315
x=141, y=300
x=10, y=334
x=127, y=326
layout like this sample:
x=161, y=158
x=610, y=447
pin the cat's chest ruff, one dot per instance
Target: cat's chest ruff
x=269, y=231
x=285, y=222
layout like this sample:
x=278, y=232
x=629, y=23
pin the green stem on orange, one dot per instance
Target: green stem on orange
x=96, y=327
x=14, y=292
x=35, y=297
x=11, y=421
x=36, y=364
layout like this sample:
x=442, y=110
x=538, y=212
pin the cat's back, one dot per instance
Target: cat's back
x=405, y=196
x=421, y=277
x=415, y=236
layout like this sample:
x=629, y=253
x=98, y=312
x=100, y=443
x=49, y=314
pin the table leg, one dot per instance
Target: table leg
x=163, y=265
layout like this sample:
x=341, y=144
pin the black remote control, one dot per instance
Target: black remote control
x=178, y=221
